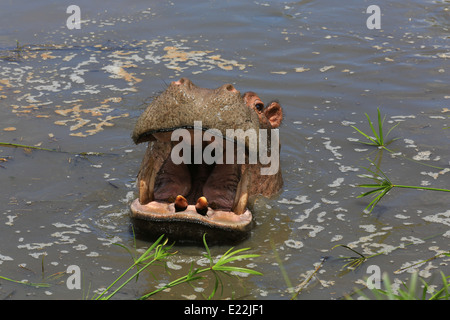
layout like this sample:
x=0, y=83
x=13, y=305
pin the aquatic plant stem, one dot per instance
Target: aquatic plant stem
x=37, y=285
x=159, y=251
x=304, y=283
x=159, y=254
x=423, y=261
x=383, y=185
x=215, y=267
x=380, y=138
x=280, y=265
x=419, y=188
x=355, y=262
x=15, y=145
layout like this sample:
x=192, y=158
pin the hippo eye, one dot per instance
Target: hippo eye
x=259, y=106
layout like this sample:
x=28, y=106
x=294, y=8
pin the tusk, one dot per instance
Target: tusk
x=241, y=199
x=143, y=192
x=147, y=188
x=146, y=178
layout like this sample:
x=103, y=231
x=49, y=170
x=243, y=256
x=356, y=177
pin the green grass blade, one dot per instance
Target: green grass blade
x=444, y=289
x=144, y=256
x=32, y=284
x=377, y=138
x=217, y=282
x=370, y=192
x=392, y=128
x=230, y=256
x=236, y=269
x=126, y=249
x=412, y=286
x=374, y=142
x=369, y=185
x=387, y=284
x=424, y=290
x=380, y=128
x=375, y=201
x=207, y=250
x=422, y=188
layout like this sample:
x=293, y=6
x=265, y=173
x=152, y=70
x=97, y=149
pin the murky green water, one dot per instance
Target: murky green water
x=82, y=91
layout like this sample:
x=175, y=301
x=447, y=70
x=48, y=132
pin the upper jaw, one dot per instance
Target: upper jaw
x=182, y=104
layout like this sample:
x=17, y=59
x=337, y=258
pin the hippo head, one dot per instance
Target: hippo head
x=209, y=151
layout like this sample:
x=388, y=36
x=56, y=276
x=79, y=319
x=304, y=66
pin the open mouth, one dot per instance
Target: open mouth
x=209, y=195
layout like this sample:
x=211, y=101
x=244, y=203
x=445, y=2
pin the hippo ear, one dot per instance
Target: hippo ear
x=274, y=113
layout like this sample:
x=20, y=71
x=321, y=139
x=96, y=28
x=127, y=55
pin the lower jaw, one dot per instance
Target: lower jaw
x=158, y=218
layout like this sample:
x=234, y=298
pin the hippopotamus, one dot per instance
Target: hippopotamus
x=201, y=166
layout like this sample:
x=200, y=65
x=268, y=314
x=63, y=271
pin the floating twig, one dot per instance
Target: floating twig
x=306, y=281
x=39, y=285
x=83, y=154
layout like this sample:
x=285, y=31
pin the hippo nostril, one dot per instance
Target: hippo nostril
x=230, y=88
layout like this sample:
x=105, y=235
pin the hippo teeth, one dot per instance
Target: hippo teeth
x=202, y=206
x=224, y=186
x=241, y=198
x=147, y=189
x=180, y=203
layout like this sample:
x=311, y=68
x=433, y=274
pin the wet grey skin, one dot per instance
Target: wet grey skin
x=169, y=193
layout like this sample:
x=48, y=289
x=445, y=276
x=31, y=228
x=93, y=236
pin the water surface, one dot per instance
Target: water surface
x=82, y=91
